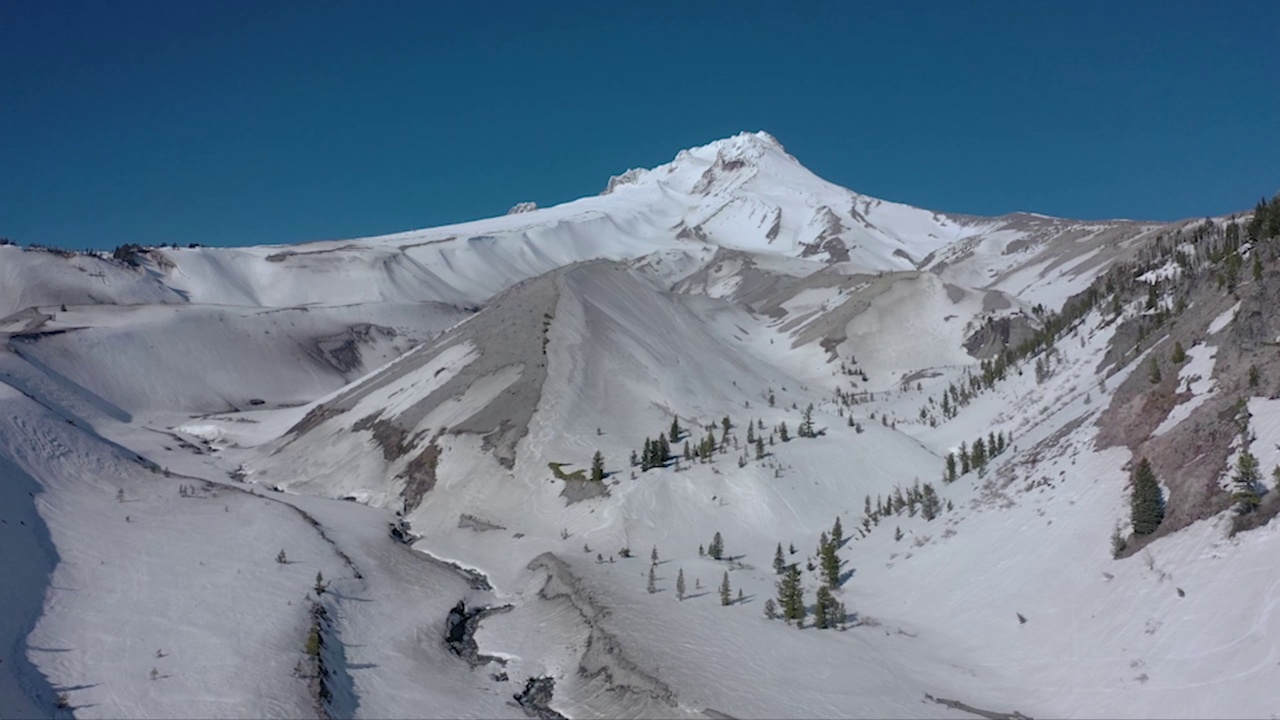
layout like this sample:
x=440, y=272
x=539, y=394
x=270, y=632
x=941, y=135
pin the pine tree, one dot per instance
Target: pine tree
x=964, y=459
x=680, y=584
x=829, y=561
x=806, y=423
x=1179, y=355
x=751, y=433
x=1245, y=482
x=597, y=467
x=675, y=429
x=778, y=563
x=951, y=467
x=716, y=548
x=979, y=454
x=1146, y=502
x=725, y=598
x=653, y=555
x=791, y=594
x=634, y=460
x=759, y=448
x=770, y=609
x=930, y=505
x=282, y=558
x=837, y=533
x=120, y=495
x=782, y=432
x=1154, y=373
x=820, y=607
x=653, y=579
x=321, y=585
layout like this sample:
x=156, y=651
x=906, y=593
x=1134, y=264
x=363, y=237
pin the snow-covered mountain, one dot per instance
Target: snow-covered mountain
x=414, y=417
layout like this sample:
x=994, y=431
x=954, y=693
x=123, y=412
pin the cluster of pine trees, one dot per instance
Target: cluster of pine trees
x=917, y=498
x=977, y=456
x=828, y=611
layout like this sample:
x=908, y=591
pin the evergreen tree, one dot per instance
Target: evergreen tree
x=688, y=455
x=951, y=467
x=1154, y=373
x=1146, y=502
x=770, y=609
x=653, y=580
x=751, y=433
x=321, y=585
x=653, y=555
x=829, y=561
x=725, y=598
x=1245, y=482
x=979, y=454
x=820, y=608
x=837, y=533
x=634, y=459
x=964, y=459
x=782, y=432
x=930, y=504
x=675, y=429
x=791, y=594
x=282, y=558
x=778, y=563
x=1179, y=355
x=806, y=423
x=716, y=548
x=680, y=584
x=759, y=448
x=597, y=467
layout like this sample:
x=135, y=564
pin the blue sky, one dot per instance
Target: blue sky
x=247, y=122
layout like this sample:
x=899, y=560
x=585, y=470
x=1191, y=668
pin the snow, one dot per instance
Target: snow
x=1195, y=377
x=1224, y=319
x=146, y=383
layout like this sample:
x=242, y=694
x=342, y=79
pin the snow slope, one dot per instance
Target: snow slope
x=188, y=416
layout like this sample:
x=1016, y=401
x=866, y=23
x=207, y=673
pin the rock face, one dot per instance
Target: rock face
x=522, y=207
x=998, y=334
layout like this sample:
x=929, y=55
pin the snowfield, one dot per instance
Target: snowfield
x=188, y=440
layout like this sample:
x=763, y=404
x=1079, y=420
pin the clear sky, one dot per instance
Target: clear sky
x=235, y=122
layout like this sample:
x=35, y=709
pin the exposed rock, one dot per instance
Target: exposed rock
x=522, y=207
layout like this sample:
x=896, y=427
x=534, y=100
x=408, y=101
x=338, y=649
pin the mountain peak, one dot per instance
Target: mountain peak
x=737, y=153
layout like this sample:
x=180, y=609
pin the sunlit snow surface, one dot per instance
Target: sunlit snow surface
x=205, y=363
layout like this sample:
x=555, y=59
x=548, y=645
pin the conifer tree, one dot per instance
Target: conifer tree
x=979, y=454
x=653, y=555
x=964, y=459
x=1245, y=482
x=782, y=432
x=751, y=433
x=680, y=584
x=725, y=598
x=1179, y=354
x=675, y=429
x=837, y=533
x=653, y=579
x=820, y=607
x=321, y=585
x=759, y=448
x=779, y=564
x=930, y=504
x=770, y=609
x=791, y=595
x=806, y=423
x=1147, y=505
x=829, y=561
x=282, y=558
x=597, y=467
x=634, y=459
x=1154, y=373
x=716, y=548
x=951, y=467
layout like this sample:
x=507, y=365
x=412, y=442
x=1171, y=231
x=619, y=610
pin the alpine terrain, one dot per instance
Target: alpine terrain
x=726, y=440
